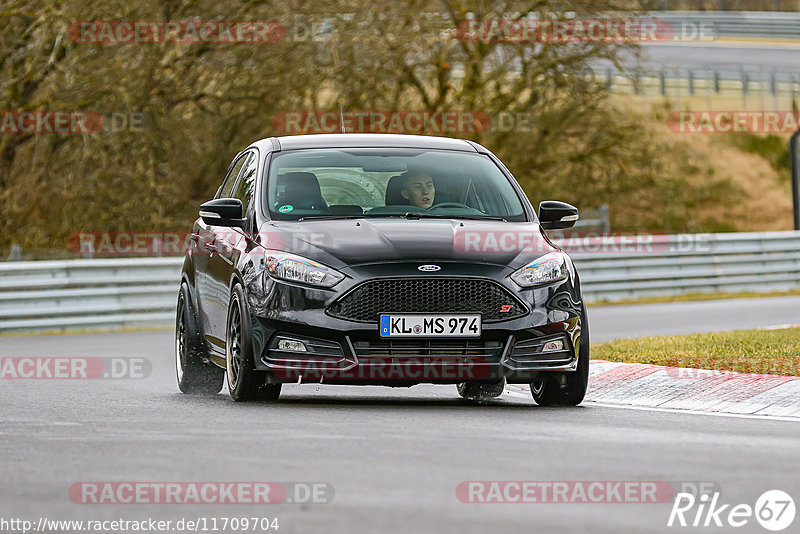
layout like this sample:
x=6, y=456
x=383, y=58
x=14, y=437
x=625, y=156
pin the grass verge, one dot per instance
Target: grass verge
x=746, y=351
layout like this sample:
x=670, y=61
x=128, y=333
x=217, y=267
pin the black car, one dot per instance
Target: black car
x=379, y=259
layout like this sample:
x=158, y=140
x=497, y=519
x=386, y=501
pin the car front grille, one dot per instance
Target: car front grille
x=428, y=295
x=445, y=349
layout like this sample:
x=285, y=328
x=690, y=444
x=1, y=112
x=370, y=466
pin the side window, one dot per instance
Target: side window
x=247, y=181
x=230, y=179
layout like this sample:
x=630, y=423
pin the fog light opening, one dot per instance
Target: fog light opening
x=291, y=345
x=556, y=345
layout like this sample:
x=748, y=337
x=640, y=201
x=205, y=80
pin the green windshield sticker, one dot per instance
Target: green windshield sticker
x=286, y=208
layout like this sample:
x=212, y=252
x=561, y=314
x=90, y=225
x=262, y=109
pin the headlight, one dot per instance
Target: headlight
x=552, y=267
x=299, y=269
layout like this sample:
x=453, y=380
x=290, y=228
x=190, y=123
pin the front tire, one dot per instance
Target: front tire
x=548, y=391
x=194, y=375
x=245, y=383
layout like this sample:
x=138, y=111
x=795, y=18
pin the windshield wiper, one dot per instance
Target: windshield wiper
x=417, y=215
x=411, y=215
x=364, y=216
x=310, y=217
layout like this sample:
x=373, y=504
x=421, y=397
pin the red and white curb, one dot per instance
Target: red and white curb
x=696, y=390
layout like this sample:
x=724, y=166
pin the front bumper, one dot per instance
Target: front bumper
x=352, y=352
x=356, y=354
x=347, y=363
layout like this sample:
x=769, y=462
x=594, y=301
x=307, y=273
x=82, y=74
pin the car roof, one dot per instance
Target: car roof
x=359, y=140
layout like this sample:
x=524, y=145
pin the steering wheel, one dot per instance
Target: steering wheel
x=450, y=205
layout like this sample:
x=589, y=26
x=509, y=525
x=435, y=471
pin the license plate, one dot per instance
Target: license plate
x=435, y=325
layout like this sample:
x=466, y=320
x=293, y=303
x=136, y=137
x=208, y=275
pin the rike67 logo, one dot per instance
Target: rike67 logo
x=774, y=510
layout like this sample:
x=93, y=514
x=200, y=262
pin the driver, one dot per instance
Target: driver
x=419, y=190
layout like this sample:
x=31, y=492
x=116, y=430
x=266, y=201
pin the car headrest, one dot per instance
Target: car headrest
x=300, y=190
x=393, y=195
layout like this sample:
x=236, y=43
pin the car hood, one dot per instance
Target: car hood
x=366, y=241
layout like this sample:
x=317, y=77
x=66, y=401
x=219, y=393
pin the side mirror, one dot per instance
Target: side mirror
x=223, y=212
x=555, y=215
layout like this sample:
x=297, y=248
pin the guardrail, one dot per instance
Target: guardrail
x=737, y=24
x=694, y=263
x=701, y=26
x=682, y=82
x=88, y=294
x=597, y=220
x=118, y=293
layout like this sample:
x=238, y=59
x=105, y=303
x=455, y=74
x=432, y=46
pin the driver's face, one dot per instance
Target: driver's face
x=419, y=191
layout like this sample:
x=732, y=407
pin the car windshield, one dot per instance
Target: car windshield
x=380, y=182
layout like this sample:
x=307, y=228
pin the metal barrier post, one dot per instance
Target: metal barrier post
x=794, y=146
x=15, y=253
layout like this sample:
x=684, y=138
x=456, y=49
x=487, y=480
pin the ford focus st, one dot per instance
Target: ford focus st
x=378, y=260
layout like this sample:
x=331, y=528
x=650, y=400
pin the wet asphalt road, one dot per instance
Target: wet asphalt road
x=677, y=318
x=393, y=456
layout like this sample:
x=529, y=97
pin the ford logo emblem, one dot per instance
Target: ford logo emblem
x=429, y=268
